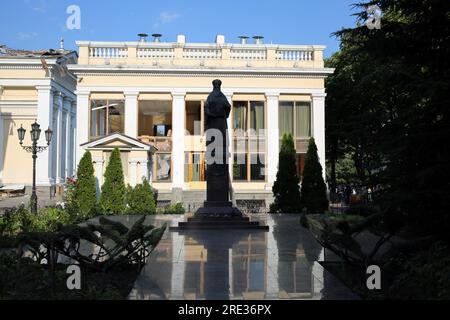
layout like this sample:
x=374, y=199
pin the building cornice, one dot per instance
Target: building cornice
x=114, y=71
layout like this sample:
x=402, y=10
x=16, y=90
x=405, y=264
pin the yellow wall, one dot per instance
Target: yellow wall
x=19, y=93
x=22, y=74
x=17, y=167
x=189, y=82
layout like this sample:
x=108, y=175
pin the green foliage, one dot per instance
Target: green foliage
x=140, y=199
x=388, y=108
x=50, y=219
x=175, y=209
x=363, y=210
x=424, y=276
x=112, y=199
x=286, y=189
x=314, y=189
x=115, y=245
x=24, y=279
x=20, y=220
x=81, y=195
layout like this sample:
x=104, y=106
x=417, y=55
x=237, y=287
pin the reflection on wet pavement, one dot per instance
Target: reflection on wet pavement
x=236, y=265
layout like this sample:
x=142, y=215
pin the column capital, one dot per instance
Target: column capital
x=228, y=93
x=67, y=98
x=178, y=94
x=272, y=95
x=83, y=94
x=131, y=93
x=319, y=95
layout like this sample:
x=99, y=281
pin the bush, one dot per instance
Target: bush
x=81, y=195
x=363, y=210
x=112, y=199
x=20, y=220
x=286, y=189
x=140, y=199
x=49, y=219
x=424, y=275
x=314, y=189
x=175, y=209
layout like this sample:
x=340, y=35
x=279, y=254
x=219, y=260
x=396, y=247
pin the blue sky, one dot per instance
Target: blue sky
x=38, y=24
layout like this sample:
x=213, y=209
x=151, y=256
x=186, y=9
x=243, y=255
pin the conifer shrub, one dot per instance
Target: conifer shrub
x=286, y=189
x=112, y=199
x=314, y=189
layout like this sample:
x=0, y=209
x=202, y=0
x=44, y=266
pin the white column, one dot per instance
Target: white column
x=318, y=125
x=2, y=138
x=229, y=96
x=131, y=113
x=273, y=137
x=68, y=137
x=45, y=119
x=59, y=97
x=99, y=162
x=144, y=170
x=73, y=137
x=133, y=172
x=178, y=126
x=82, y=124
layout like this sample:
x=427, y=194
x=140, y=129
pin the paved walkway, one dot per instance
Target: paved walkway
x=280, y=264
x=15, y=202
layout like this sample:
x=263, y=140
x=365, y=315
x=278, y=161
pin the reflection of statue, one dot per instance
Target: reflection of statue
x=217, y=111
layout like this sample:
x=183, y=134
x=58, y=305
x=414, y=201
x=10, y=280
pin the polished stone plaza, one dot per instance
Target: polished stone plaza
x=238, y=265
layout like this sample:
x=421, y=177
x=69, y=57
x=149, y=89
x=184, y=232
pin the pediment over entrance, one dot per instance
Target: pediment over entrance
x=118, y=140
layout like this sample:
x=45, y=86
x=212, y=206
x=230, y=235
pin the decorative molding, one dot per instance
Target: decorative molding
x=5, y=104
x=292, y=75
x=116, y=89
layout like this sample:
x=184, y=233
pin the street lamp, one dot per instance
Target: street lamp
x=34, y=149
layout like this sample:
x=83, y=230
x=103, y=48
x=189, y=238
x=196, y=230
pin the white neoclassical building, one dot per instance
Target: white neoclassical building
x=147, y=98
x=36, y=86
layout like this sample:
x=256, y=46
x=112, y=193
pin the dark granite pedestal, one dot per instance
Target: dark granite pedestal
x=221, y=217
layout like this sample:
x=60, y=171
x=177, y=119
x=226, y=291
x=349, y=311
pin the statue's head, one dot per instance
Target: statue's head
x=217, y=84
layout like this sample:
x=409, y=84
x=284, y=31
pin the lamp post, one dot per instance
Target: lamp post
x=34, y=149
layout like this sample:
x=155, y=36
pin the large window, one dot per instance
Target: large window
x=162, y=167
x=249, y=124
x=195, y=166
x=107, y=116
x=295, y=119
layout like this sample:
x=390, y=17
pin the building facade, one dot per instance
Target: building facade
x=155, y=92
x=36, y=86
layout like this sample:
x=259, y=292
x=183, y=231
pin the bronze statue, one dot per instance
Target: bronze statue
x=217, y=111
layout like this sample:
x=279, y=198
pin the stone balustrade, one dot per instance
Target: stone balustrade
x=212, y=55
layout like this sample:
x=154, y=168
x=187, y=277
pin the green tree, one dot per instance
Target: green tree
x=140, y=199
x=389, y=97
x=314, y=190
x=112, y=199
x=286, y=189
x=83, y=199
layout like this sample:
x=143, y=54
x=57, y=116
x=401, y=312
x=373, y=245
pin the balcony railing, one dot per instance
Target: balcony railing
x=162, y=144
x=206, y=54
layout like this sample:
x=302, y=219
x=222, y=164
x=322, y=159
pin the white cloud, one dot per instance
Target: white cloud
x=167, y=17
x=21, y=36
x=40, y=6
